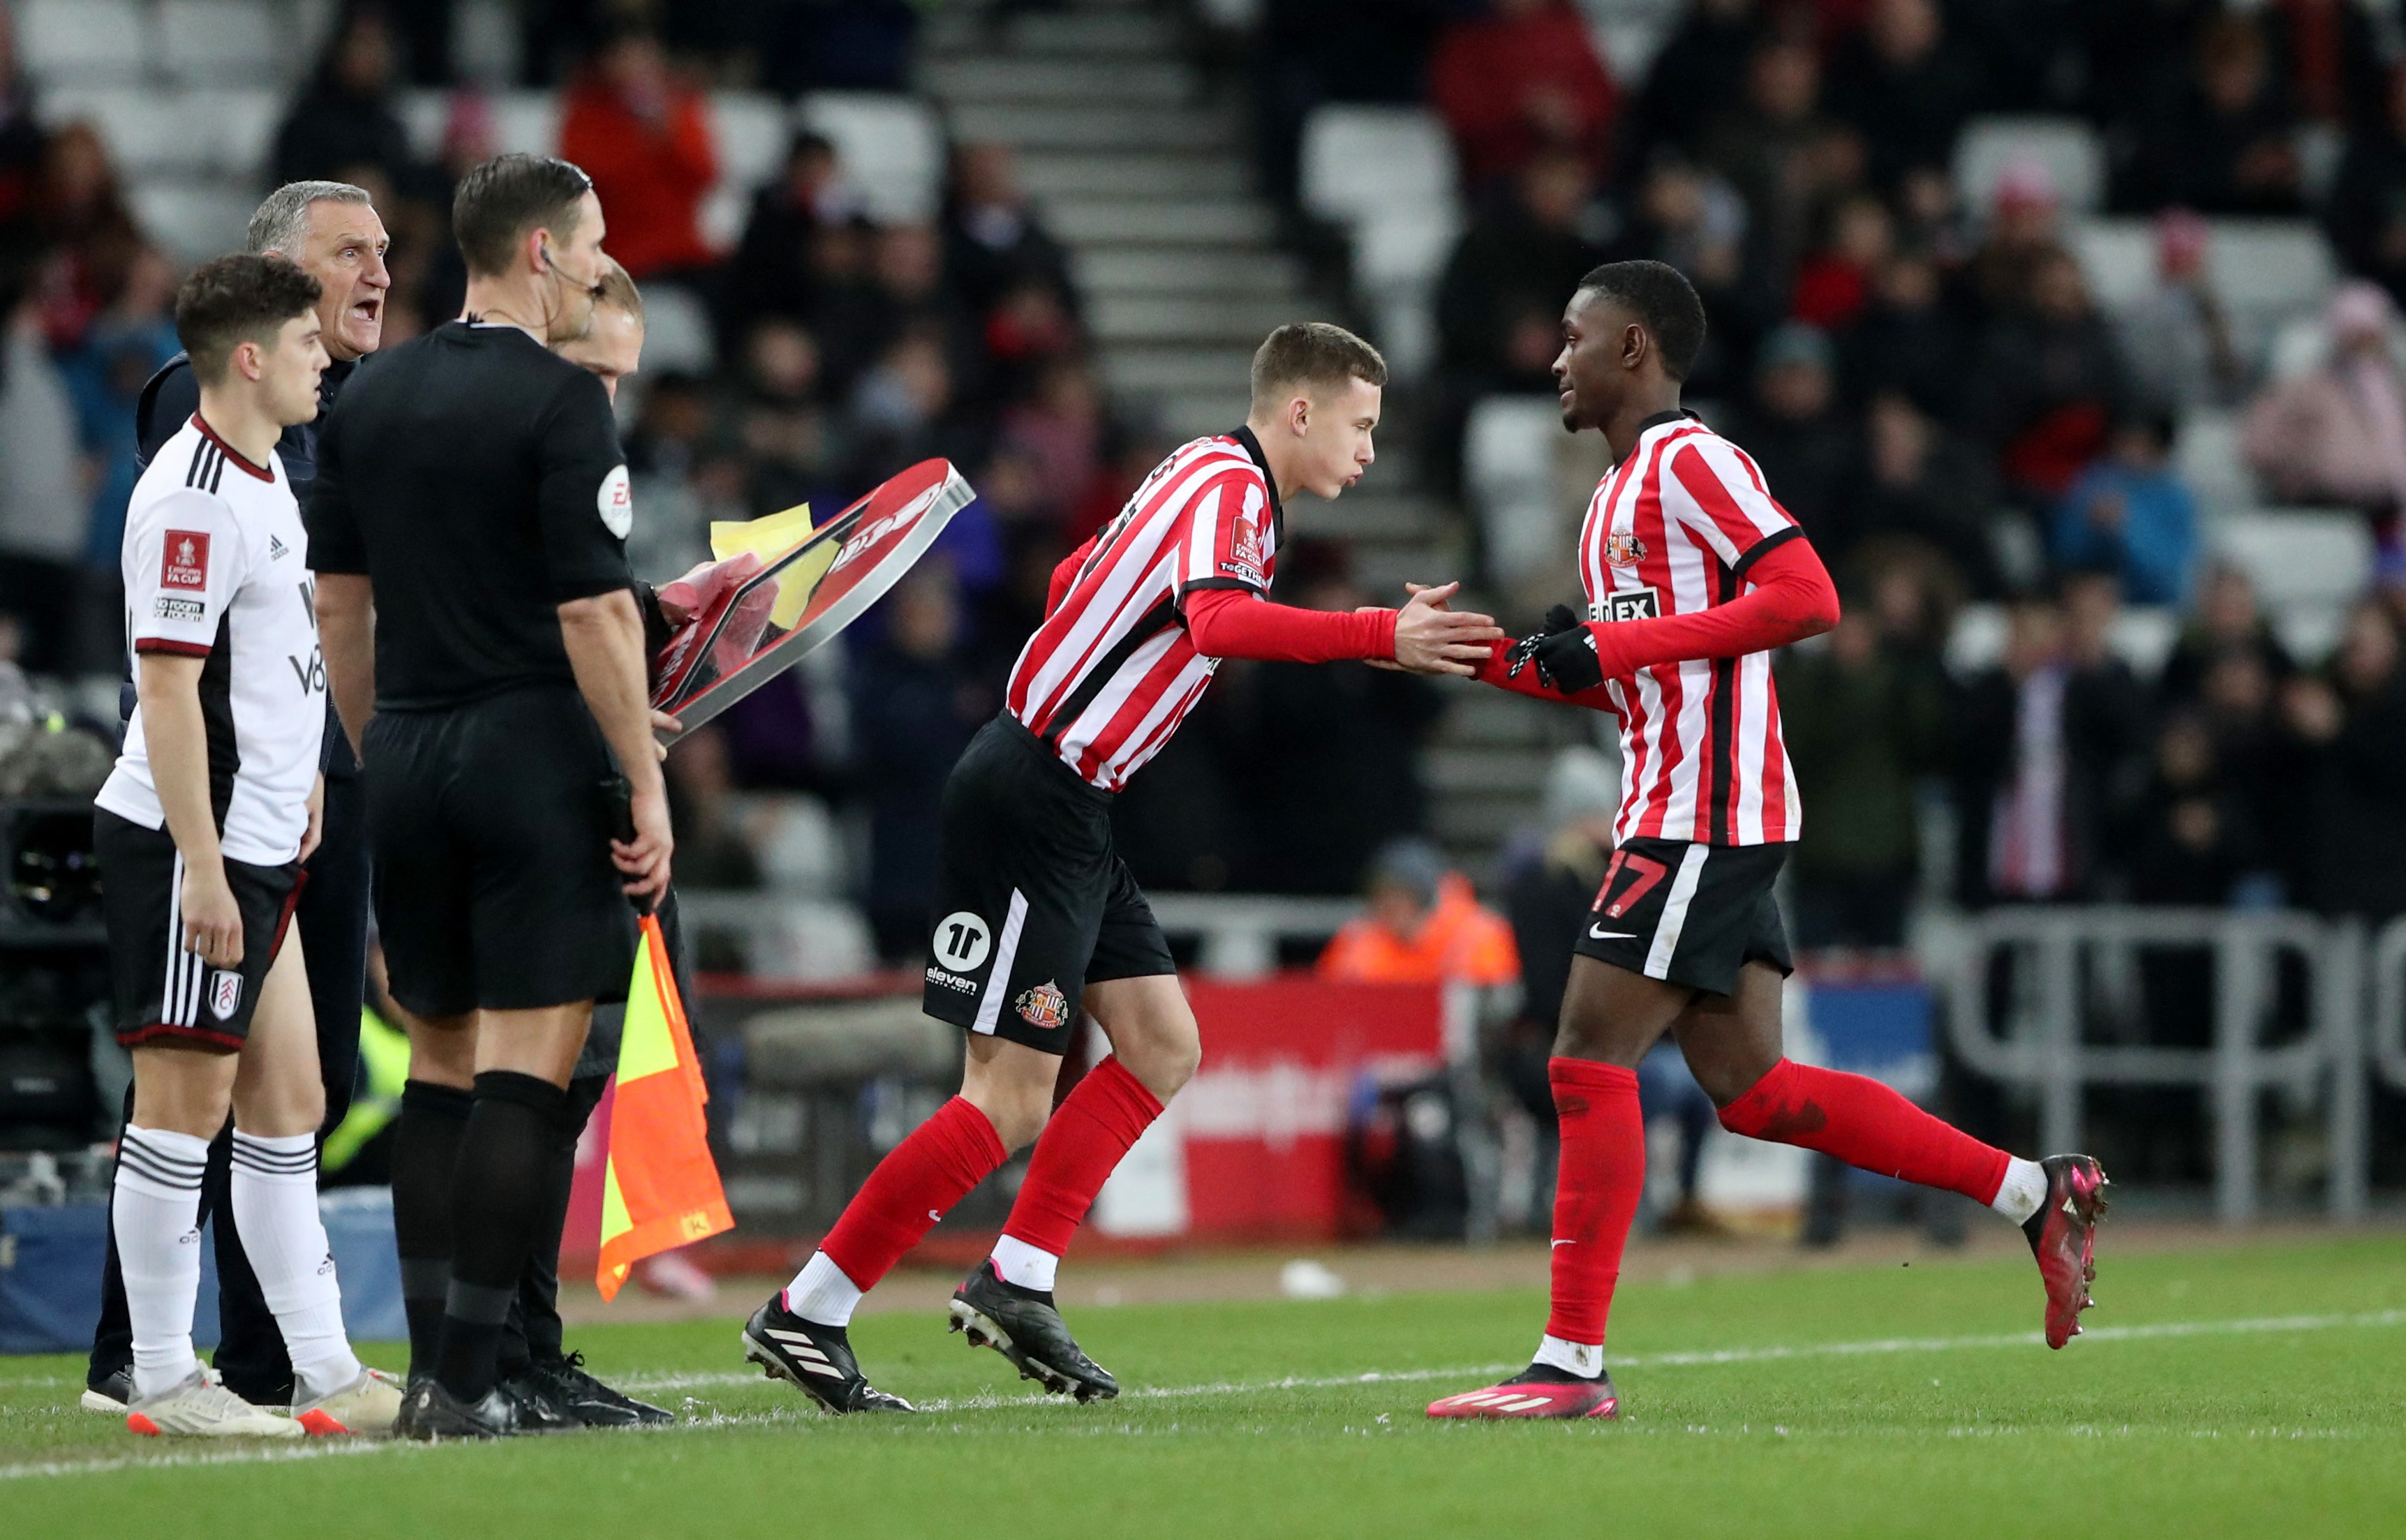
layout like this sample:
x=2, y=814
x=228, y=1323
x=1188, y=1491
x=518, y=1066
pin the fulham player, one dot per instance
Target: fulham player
x=1694, y=574
x=201, y=831
x=1038, y=921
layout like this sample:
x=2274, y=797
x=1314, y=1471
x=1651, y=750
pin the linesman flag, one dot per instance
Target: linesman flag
x=660, y=1186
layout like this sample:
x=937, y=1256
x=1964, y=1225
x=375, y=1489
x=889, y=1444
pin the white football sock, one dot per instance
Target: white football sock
x=821, y=1293
x=275, y=1213
x=1024, y=1265
x=155, y=1213
x=1584, y=1359
x=2024, y=1190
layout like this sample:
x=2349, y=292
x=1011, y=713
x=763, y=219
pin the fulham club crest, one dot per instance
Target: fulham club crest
x=225, y=992
x=1043, y=1006
x=1623, y=550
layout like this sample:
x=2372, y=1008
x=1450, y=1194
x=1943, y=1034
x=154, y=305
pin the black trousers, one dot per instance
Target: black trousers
x=333, y=920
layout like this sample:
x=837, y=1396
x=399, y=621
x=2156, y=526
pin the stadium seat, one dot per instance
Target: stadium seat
x=2299, y=555
x=1387, y=174
x=2143, y=637
x=676, y=331
x=2207, y=454
x=891, y=148
x=525, y=122
x=83, y=42
x=2065, y=148
x=221, y=133
x=2272, y=267
x=221, y=42
x=2118, y=257
x=1507, y=467
x=751, y=130
x=194, y=221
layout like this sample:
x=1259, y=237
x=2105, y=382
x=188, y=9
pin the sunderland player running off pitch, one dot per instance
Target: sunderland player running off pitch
x=201, y=831
x=1694, y=574
x=1038, y=921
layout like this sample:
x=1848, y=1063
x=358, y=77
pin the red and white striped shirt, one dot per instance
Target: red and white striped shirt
x=1674, y=530
x=1111, y=672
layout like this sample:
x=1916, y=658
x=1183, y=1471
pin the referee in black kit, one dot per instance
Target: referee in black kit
x=330, y=230
x=485, y=654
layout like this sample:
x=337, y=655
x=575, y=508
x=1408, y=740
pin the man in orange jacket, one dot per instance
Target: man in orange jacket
x=1424, y=926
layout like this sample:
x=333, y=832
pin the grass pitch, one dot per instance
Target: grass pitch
x=2254, y=1391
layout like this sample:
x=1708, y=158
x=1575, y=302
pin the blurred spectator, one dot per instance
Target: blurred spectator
x=42, y=502
x=2036, y=741
x=1924, y=490
x=1766, y=148
x=1706, y=62
x=2188, y=840
x=2352, y=726
x=667, y=453
x=712, y=851
x=1834, y=284
x=993, y=242
x=2330, y=54
x=2130, y=516
x=89, y=239
x=1905, y=343
x=1808, y=450
x=1906, y=86
x=2337, y=434
x=1059, y=428
x=125, y=345
x=2366, y=215
x=832, y=45
x=794, y=450
x=1690, y=217
x=2025, y=221
x=2175, y=337
x=916, y=704
x=845, y=318
x=20, y=141
x=771, y=273
x=1523, y=79
x=2223, y=141
x=2048, y=381
x=1862, y=728
x=2224, y=620
x=1547, y=896
x=344, y=119
x=644, y=138
x=1424, y=926
x=1333, y=751
x=1499, y=305
x=905, y=409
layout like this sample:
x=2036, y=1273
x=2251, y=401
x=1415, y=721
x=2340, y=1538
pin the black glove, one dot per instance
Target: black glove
x=1564, y=652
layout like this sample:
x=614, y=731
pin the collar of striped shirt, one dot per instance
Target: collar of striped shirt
x=1278, y=514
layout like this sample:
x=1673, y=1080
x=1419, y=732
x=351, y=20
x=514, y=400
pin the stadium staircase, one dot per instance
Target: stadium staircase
x=1142, y=165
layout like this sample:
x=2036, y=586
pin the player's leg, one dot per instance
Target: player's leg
x=435, y=1101
x=1733, y=1044
x=279, y=1105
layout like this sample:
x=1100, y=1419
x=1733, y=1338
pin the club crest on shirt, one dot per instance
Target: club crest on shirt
x=1043, y=1006
x=1623, y=549
x=185, y=562
x=225, y=992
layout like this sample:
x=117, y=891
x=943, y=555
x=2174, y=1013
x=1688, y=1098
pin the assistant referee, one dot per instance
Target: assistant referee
x=485, y=654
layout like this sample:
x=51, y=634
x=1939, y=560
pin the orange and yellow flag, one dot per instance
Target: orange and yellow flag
x=660, y=1186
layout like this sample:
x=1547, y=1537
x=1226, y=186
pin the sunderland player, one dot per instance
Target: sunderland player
x=1693, y=575
x=331, y=232
x=201, y=831
x=1037, y=920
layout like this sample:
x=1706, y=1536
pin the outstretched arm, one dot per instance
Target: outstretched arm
x=1422, y=637
x=1792, y=599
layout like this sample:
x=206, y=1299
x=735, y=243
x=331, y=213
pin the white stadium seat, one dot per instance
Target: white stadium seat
x=154, y=131
x=751, y=130
x=676, y=331
x=525, y=122
x=222, y=42
x=1507, y=467
x=1387, y=174
x=193, y=220
x=2118, y=255
x=2272, y=267
x=2066, y=149
x=2299, y=555
x=83, y=41
x=890, y=146
x=2207, y=454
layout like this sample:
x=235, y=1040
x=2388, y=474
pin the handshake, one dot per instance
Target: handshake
x=1431, y=639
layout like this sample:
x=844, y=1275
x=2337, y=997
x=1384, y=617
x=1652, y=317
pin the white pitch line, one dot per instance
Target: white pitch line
x=321, y=1448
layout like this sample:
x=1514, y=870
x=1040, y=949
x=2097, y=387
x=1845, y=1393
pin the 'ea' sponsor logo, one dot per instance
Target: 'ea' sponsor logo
x=615, y=501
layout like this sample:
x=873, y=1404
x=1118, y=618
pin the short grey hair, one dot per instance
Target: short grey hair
x=282, y=222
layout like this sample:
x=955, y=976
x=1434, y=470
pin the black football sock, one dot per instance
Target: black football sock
x=498, y=1195
x=425, y=1149
x=532, y=1334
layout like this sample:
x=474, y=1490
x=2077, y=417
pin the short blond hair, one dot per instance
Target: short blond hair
x=1312, y=354
x=617, y=288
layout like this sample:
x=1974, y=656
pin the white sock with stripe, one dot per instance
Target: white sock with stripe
x=2023, y=1191
x=276, y=1211
x=1583, y=1359
x=820, y=1292
x=155, y=1213
x=1028, y=1267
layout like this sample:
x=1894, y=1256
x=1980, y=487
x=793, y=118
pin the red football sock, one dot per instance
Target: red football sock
x=1090, y=1131
x=1865, y=1124
x=1601, y=1178
x=918, y=1180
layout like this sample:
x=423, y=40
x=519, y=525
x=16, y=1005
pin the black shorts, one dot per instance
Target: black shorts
x=489, y=826
x=163, y=993
x=1688, y=914
x=1032, y=904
